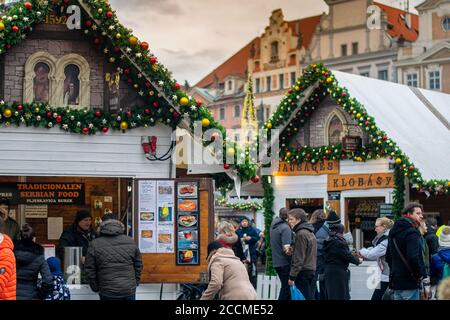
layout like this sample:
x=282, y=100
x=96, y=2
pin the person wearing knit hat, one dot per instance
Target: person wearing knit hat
x=79, y=234
x=60, y=289
x=440, y=262
x=333, y=218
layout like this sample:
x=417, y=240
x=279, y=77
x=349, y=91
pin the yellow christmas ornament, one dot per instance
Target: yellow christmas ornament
x=230, y=152
x=297, y=88
x=7, y=113
x=184, y=101
x=448, y=183
x=118, y=36
x=269, y=126
x=329, y=79
x=288, y=154
x=133, y=40
x=124, y=125
x=2, y=26
x=205, y=123
x=398, y=161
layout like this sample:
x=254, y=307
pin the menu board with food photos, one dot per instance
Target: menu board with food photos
x=187, y=223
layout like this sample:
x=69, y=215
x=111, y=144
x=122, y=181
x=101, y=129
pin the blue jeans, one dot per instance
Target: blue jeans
x=406, y=294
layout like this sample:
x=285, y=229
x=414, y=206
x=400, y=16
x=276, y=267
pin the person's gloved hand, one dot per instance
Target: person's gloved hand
x=426, y=285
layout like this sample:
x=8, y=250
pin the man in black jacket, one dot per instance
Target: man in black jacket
x=404, y=255
x=79, y=234
x=114, y=263
x=280, y=243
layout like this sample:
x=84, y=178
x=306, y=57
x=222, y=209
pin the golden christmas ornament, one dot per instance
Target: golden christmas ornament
x=269, y=126
x=205, y=122
x=184, y=101
x=448, y=183
x=118, y=36
x=133, y=40
x=7, y=113
x=329, y=80
x=2, y=26
x=398, y=161
x=124, y=125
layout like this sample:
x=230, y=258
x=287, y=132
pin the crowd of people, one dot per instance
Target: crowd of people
x=312, y=253
x=111, y=262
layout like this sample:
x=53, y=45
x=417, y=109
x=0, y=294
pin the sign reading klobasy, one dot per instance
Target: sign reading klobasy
x=360, y=181
x=307, y=169
x=44, y=193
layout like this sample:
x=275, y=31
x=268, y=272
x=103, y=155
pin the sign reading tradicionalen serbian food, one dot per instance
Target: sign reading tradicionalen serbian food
x=44, y=193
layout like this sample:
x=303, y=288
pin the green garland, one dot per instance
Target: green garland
x=399, y=194
x=131, y=58
x=268, y=218
x=242, y=206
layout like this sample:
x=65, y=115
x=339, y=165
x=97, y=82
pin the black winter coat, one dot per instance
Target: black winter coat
x=113, y=262
x=432, y=241
x=408, y=240
x=30, y=262
x=72, y=237
x=337, y=257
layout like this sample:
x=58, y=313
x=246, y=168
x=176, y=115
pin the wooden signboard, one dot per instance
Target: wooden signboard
x=360, y=181
x=166, y=267
x=308, y=169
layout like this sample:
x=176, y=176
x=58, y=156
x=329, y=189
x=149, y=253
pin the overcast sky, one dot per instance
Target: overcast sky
x=192, y=37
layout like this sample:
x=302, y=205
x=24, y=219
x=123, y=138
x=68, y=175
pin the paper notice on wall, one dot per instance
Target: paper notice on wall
x=36, y=211
x=49, y=250
x=147, y=216
x=166, y=216
x=54, y=227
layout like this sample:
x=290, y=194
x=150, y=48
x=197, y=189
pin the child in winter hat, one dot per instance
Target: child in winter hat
x=444, y=239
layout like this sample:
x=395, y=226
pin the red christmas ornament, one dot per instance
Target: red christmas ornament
x=97, y=40
x=344, y=94
x=148, y=84
x=28, y=5
x=147, y=111
x=175, y=114
x=215, y=136
x=155, y=104
x=98, y=114
x=126, y=71
x=255, y=179
x=8, y=46
x=153, y=60
x=129, y=113
x=116, y=49
x=308, y=155
x=411, y=168
x=85, y=130
x=19, y=107
x=176, y=86
x=15, y=29
x=105, y=130
x=367, y=123
x=88, y=23
x=130, y=81
x=198, y=103
x=324, y=158
x=290, y=91
x=109, y=14
x=58, y=118
x=385, y=138
x=226, y=166
x=49, y=114
x=144, y=46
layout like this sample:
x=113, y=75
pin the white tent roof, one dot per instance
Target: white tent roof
x=407, y=120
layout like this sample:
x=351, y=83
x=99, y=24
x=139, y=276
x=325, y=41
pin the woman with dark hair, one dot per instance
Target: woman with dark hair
x=30, y=263
x=317, y=219
x=337, y=258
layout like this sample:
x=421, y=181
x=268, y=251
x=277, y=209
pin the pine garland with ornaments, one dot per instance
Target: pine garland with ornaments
x=243, y=205
x=379, y=145
x=165, y=101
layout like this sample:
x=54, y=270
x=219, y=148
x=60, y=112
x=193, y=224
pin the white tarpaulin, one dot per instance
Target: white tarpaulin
x=407, y=120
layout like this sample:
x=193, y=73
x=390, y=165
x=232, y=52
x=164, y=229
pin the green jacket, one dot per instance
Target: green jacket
x=12, y=229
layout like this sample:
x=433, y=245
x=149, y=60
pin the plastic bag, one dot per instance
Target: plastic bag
x=296, y=294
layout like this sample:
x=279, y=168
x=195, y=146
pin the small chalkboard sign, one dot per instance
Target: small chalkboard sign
x=334, y=195
x=385, y=209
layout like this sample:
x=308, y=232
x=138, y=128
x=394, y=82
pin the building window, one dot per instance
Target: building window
x=355, y=48
x=446, y=23
x=222, y=113
x=281, y=81
x=293, y=78
x=292, y=60
x=237, y=137
x=411, y=80
x=335, y=129
x=257, y=85
x=383, y=75
x=71, y=85
x=269, y=83
x=435, y=80
x=230, y=85
x=343, y=50
x=364, y=73
x=274, y=51
x=237, y=111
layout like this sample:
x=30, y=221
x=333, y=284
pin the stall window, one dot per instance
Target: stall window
x=41, y=83
x=72, y=85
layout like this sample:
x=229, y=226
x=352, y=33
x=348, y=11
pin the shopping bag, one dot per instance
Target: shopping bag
x=296, y=294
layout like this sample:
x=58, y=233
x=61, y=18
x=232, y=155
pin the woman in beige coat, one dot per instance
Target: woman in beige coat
x=228, y=277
